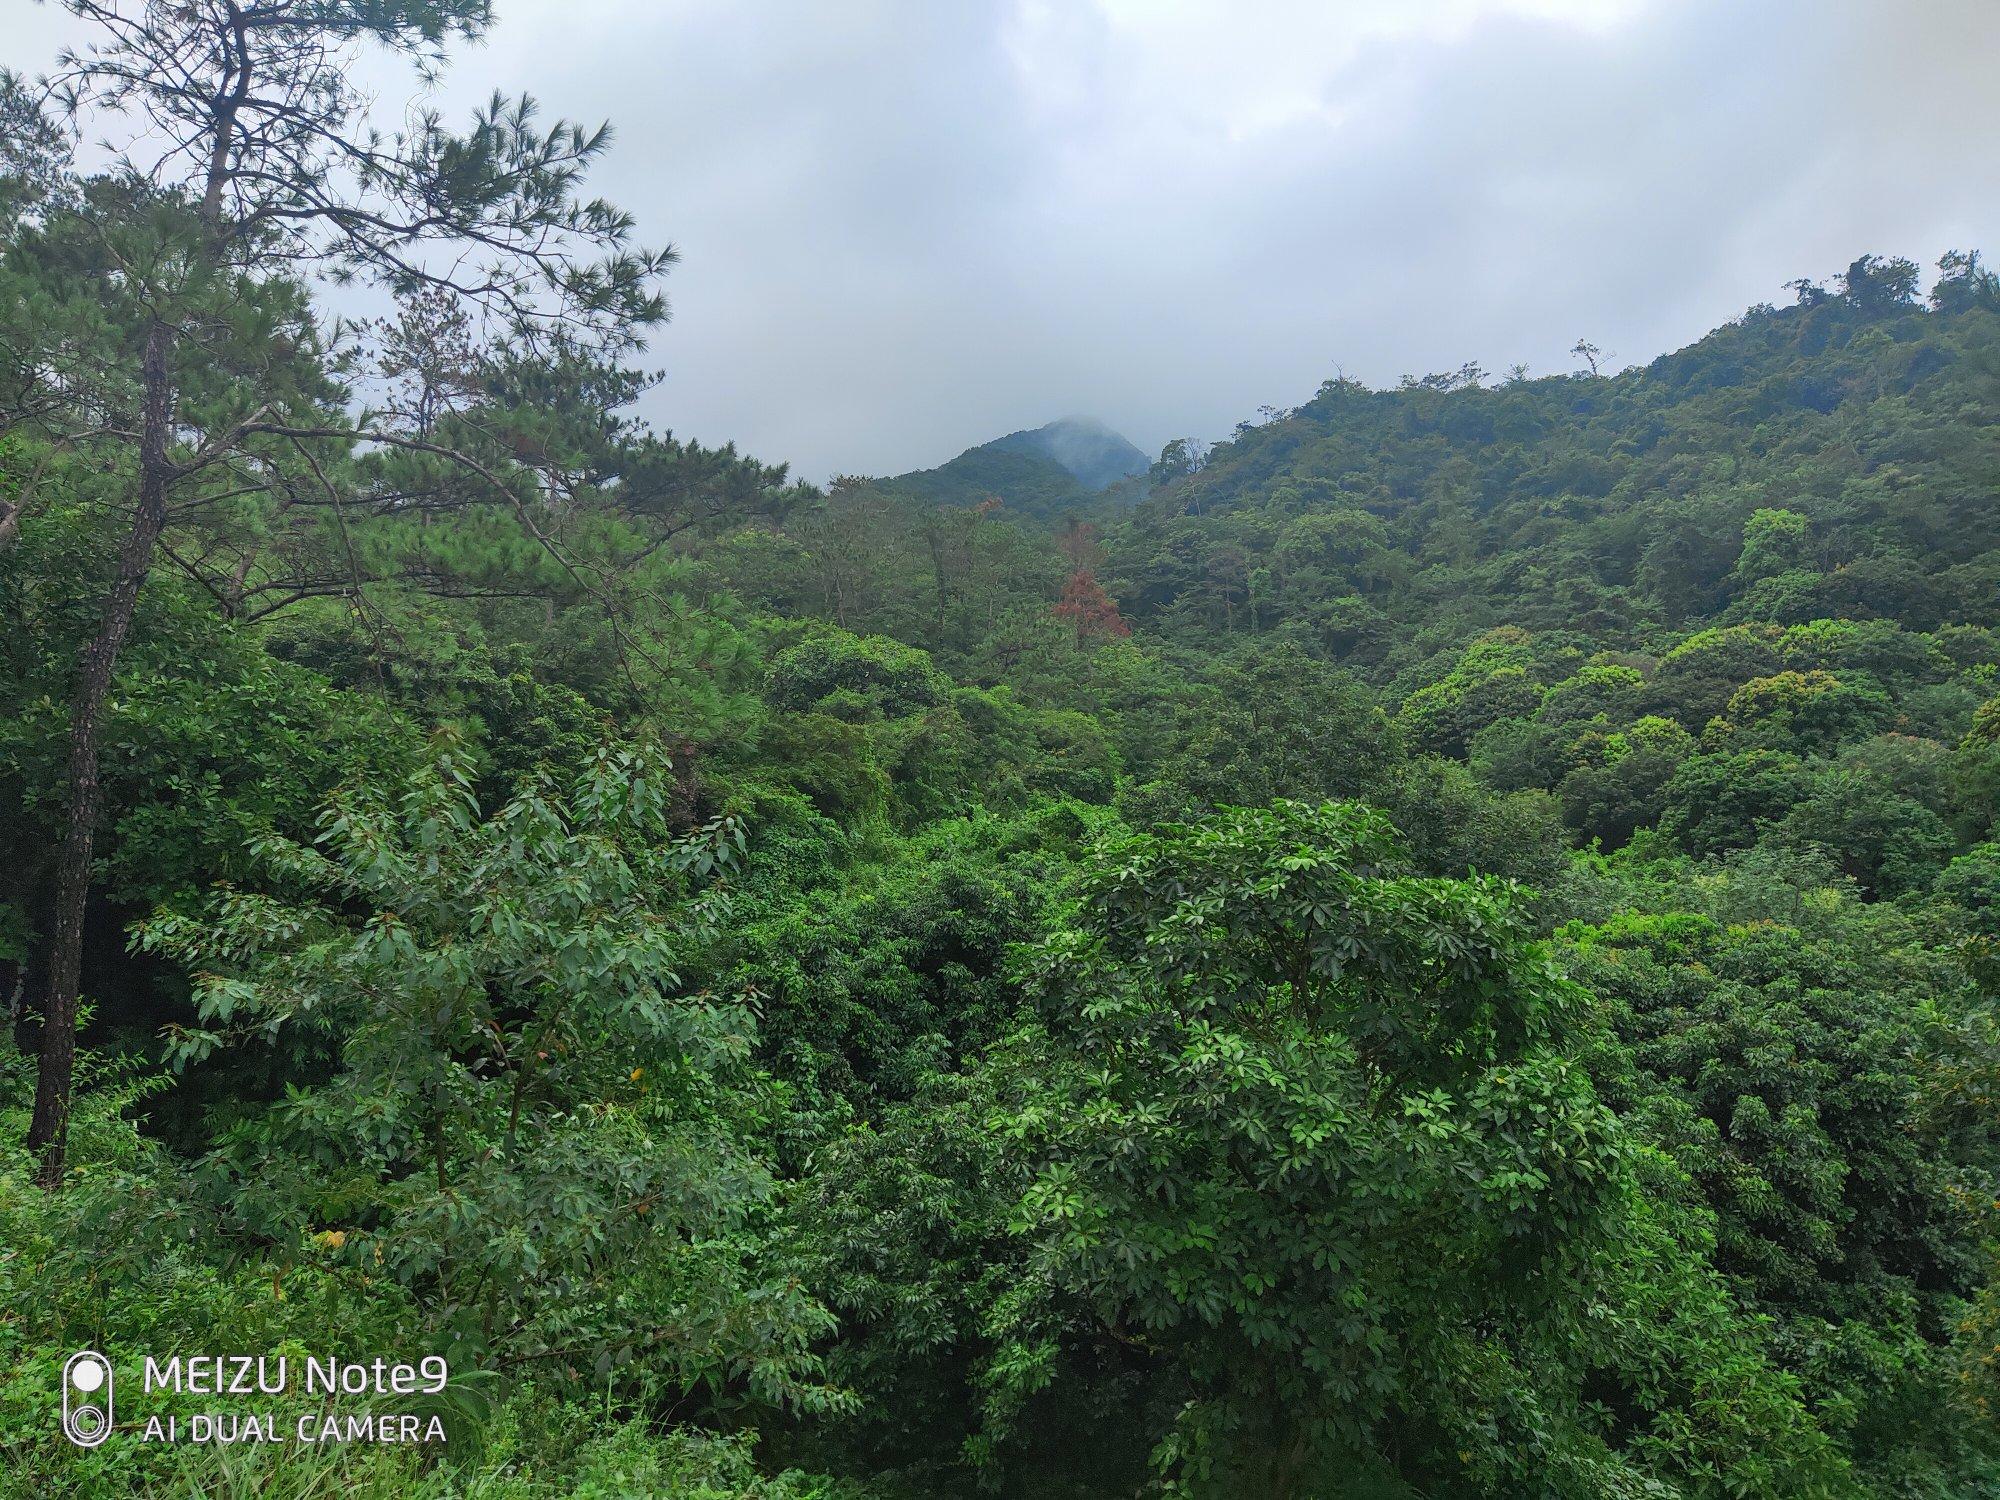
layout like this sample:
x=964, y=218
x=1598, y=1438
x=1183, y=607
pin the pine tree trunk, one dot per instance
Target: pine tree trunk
x=48, y=1132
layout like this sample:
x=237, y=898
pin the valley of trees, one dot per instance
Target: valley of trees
x=1446, y=945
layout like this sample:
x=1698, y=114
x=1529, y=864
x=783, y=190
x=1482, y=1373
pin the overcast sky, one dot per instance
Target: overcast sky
x=908, y=226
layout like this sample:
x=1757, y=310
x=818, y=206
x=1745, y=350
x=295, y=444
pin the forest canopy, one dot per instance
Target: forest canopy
x=1444, y=945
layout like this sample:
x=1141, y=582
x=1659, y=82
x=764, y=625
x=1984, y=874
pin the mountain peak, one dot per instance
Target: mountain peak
x=1042, y=473
x=1095, y=455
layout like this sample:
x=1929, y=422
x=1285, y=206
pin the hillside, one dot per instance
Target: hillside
x=1387, y=523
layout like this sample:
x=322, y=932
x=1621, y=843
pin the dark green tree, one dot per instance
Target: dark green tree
x=1305, y=1124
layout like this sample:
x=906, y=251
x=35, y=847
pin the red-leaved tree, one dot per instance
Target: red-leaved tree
x=1091, y=611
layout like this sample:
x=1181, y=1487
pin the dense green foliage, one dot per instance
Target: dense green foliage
x=1449, y=949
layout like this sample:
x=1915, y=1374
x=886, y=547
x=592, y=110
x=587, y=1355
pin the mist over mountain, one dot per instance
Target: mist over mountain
x=1095, y=455
x=1064, y=467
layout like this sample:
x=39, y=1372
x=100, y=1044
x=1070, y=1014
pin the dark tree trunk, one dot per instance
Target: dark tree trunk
x=49, y=1130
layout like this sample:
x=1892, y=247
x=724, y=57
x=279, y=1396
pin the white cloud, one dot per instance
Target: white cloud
x=908, y=226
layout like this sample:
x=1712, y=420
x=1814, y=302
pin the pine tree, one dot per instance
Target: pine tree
x=187, y=340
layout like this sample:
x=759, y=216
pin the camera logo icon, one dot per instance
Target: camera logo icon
x=86, y=1398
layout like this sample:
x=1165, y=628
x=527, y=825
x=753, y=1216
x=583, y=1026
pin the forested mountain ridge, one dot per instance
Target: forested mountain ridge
x=1451, y=951
x=1615, y=505
x=1800, y=507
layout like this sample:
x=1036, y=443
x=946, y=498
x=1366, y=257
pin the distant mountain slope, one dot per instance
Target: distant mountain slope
x=1092, y=452
x=1042, y=473
x=1836, y=459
